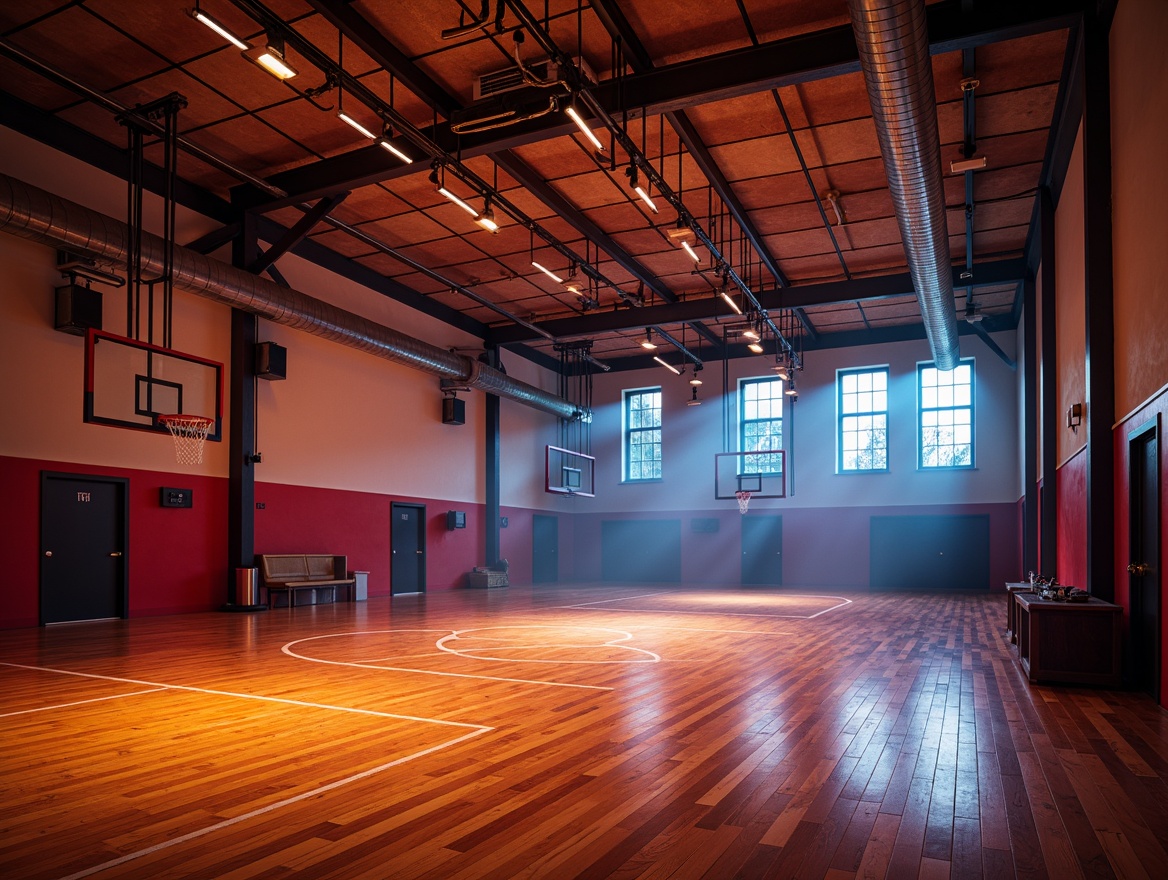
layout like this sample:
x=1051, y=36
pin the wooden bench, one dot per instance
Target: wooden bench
x=291, y=573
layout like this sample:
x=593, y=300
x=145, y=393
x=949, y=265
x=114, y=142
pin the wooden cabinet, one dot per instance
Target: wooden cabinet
x=1012, y=608
x=1075, y=642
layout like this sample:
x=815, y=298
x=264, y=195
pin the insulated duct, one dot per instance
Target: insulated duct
x=893, y=42
x=32, y=213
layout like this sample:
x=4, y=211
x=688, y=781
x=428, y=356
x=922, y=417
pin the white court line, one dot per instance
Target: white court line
x=621, y=636
x=287, y=649
x=621, y=599
x=476, y=730
x=80, y=702
x=840, y=604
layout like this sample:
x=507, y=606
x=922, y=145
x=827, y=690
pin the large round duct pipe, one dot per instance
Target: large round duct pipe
x=32, y=213
x=893, y=42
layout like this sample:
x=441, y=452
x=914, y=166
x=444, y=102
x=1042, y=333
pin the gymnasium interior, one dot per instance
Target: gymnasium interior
x=499, y=439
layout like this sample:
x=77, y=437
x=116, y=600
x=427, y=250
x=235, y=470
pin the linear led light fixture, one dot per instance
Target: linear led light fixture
x=692, y=253
x=487, y=220
x=667, y=365
x=755, y=346
x=218, y=28
x=458, y=202
x=548, y=272
x=390, y=148
x=973, y=163
x=381, y=142
x=583, y=126
x=730, y=301
x=273, y=60
x=638, y=189
x=751, y=333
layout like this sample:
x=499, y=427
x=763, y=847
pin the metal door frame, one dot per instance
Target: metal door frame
x=421, y=508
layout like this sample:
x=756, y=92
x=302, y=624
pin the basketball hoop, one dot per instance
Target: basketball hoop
x=189, y=432
x=743, y=497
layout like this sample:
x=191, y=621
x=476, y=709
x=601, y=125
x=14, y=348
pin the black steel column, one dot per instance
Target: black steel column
x=241, y=422
x=1050, y=416
x=1100, y=376
x=1029, y=429
x=491, y=447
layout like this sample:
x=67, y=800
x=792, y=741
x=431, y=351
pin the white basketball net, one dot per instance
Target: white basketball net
x=189, y=432
x=743, y=497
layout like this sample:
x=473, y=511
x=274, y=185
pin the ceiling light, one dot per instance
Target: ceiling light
x=781, y=372
x=750, y=333
x=640, y=190
x=695, y=381
x=648, y=343
x=791, y=390
x=353, y=123
x=235, y=41
x=756, y=347
x=667, y=366
x=273, y=60
x=548, y=272
x=693, y=401
x=973, y=163
x=387, y=146
x=689, y=250
x=583, y=126
x=730, y=301
x=458, y=202
x=487, y=219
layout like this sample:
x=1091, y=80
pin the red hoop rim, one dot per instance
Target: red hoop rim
x=184, y=419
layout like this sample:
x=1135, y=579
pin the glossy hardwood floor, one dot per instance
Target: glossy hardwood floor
x=632, y=732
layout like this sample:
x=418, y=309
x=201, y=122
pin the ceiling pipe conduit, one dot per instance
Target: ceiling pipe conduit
x=34, y=214
x=893, y=43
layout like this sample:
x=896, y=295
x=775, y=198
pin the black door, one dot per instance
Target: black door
x=83, y=547
x=407, y=542
x=545, y=549
x=762, y=549
x=1144, y=565
x=929, y=553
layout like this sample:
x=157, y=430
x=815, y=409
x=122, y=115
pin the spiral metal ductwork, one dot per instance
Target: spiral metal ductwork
x=892, y=38
x=32, y=213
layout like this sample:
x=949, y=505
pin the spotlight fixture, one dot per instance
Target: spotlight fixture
x=693, y=401
x=583, y=126
x=200, y=16
x=273, y=60
x=729, y=301
x=667, y=365
x=548, y=272
x=638, y=189
x=689, y=250
x=755, y=346
x=487, y=219
x=648, y=343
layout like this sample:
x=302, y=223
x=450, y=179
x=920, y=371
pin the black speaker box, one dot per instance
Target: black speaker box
x=271, y=361
x=453, y=411
x=78, y=309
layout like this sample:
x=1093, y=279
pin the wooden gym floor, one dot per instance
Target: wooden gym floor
x=585, y=732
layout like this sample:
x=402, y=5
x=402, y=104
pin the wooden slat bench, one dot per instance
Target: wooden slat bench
x=290, y=573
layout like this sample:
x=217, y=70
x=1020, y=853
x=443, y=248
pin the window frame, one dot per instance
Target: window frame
x=971, y=406
x=842, y=416
x=628, y=433
x=743, y=421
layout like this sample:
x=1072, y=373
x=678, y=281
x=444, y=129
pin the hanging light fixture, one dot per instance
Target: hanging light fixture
x=354, y=124
x=667, y=365
x=487, y=218
x=273, y=60
x=693, y=401
x=729, y=300
x=575, y=116
x=198, y=15
x=692, y=253
x=755, y=346
x=696, y=380
x=648, y=343
x=634, y=181
x=548, y=272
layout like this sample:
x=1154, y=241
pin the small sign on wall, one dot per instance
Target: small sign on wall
x=170, y=497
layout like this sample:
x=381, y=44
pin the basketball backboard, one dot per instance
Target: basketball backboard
x=129, y=384
x=569, y=473
x=762, y=474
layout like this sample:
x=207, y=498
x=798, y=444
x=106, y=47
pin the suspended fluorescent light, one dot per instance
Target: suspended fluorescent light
x=487, y=220
x=730, y=301
x=353, y=123
x=638, y=189
x=458, y=202
x=667, y=366
x=548, y=272
x=387, y=146
x=756, y=347
x=235, y=41
x=273, y=60
x=583, y=126
x=689, y=250
x=648, y=343
x=750, y=333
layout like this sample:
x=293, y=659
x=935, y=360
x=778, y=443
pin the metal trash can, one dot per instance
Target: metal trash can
x=361, y=585
x=247, y=586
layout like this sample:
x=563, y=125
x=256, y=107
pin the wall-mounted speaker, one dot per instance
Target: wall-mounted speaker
x=453, y=411
x=271, y=361
x=455, y=519
x=78, y=309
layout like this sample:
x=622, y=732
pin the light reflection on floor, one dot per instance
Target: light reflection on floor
x=751, y=603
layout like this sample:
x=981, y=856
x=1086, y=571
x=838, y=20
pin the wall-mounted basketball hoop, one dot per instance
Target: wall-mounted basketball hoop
x=189, y=433
x=743, y=497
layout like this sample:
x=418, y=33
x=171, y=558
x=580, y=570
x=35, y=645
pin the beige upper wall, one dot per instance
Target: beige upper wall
x=1139, y=133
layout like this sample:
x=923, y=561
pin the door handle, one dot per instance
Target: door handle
x=116, y=553
x=419, y=552
x=48, y=553
x=1138, y=568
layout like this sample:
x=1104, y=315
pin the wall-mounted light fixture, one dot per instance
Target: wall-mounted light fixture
x=1075, y=416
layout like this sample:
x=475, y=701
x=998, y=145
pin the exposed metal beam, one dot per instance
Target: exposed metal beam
x=804, y=58
x=993, y=346
x=296, y=232
x=215, y=239
x=713, y=308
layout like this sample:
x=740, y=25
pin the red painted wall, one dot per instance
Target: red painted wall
x=177, y=557
x=1072, y=523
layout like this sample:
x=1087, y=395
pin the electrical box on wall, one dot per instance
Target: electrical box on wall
x=455, y=519
x=271, y=361
x=453, y=411
x=78, y=309
x=170, y=497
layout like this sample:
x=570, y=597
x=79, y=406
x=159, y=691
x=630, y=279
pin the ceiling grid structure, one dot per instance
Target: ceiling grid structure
x=753, y=112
